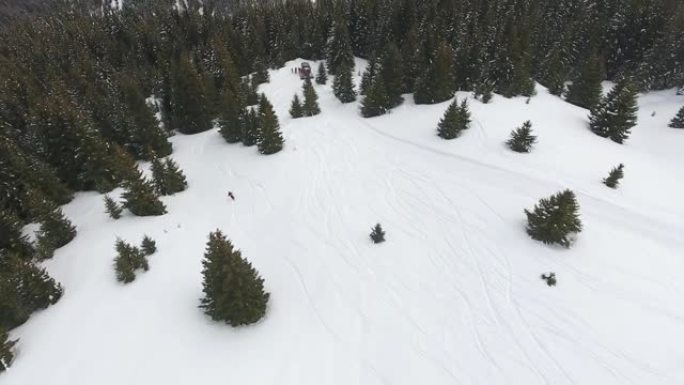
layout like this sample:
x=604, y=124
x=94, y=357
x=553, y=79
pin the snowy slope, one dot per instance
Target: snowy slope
x=453, y=296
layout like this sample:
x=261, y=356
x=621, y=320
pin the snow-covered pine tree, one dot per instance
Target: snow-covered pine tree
x=6, y=350
x=555, y=219
x=310, y=106
x=261, y=75
x=191, y=107
x=296, y=108
x=230, y=122
x=112, y=207
x=233, y=290
x=270, y=140
x=377, y=234
x=339, y=50
x=55, y=231
x=614, y=177
x=12, y=240
x=250, y=135
x=343, y=88
x=141, y=199
x=376, y=101
x=522, y=138
x=456, y=119
x=321, y=75
x=678, y=120
x=437, y=84
x=615, y=115
x=148, y=246
x=585, y=90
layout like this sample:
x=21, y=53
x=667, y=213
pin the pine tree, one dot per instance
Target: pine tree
x=554, y=219
x=168, y=178
x=339, y=50
x=148, y=246
x=310, y=105
x=112, y=207
x=522, y=139
x=230, y=122
x=250, y=135
x=191, y=107
x=368, y=76
x=6, y=350
x=261, y=75
x=11, y=238
x=296, y=108
x=456, y=119
x=377, y=234
x=141, y=199
x=678, y=120
x=248, y=94
x=321, y=75
x=24, y=288
x=128, y=260
x=391, y=67
x=615, y=115
x=342, y=85
x=55, y=231
x=437, y=84
x=270, y=140
x=376, y=101
x=233, y=290
x=585, y=90
x=614, y=177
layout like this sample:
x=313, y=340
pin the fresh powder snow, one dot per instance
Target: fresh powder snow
x=453, y=296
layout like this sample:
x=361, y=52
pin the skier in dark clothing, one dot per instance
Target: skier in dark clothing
x=230, y=195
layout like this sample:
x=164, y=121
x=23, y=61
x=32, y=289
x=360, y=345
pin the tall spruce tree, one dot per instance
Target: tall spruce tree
x=296, y=108
x=585, y=90
x=376, y=102
x=230, y=122
x=141, y=199
x=437, y=84
x=615, y=115
x=614, y=177
x=55, y=231
x=339, y=51
x=310, y=106
x=233, y=290
x=321, y=74
x=270, y=140
x=391, y=67
x=343, y=88
x=522, y=138
x=250, y=134
x=191, y=107
x=456, y=119
x=678, y=120
x=555, y=219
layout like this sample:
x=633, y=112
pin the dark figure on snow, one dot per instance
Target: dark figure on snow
x=230, y=195
x=550, y=278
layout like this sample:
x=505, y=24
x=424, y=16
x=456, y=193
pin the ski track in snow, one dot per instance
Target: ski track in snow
x=452, y=297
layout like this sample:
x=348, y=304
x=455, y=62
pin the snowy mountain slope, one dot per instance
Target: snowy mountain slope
x=452, y=297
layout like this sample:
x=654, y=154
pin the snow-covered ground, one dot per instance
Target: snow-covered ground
x=453, y=296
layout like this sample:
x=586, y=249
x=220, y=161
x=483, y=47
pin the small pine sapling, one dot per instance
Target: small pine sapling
x=6, y=350
x=296, y=108
x=148, y=246
x=555, y=219
x=522, y=139
x=128, y=260
x=678, y=120
x=613, y=179
x=377, y=234
x=113, y=209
